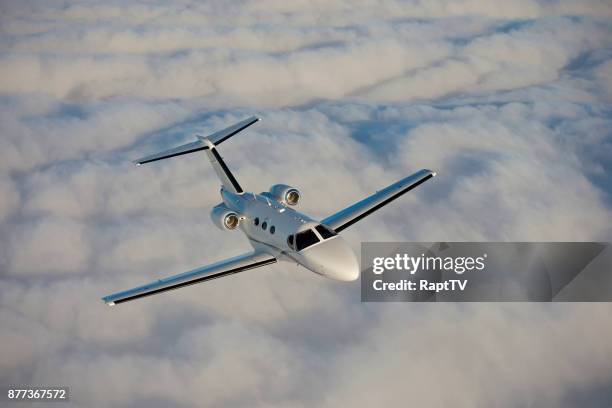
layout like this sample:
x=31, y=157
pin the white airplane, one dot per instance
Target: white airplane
x=275, y=230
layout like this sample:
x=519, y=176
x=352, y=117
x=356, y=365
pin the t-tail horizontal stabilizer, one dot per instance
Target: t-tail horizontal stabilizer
x=216, y=138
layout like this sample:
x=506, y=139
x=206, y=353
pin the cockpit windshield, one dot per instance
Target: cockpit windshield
x=325, y=231
x=305, y=239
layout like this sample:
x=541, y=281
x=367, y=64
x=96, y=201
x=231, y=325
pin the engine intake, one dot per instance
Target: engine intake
x=285, y=194
x=224, y=218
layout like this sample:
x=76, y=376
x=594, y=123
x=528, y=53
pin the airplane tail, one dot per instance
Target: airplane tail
x=216, y=139
x=208, y=143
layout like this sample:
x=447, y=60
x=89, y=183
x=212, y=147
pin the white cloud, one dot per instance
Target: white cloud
x=10, y=197
x=508, y=102
x=48, y=246
x=475, y=356
x=604, y=77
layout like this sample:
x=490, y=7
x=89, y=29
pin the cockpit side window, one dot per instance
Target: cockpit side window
x=290, y=241
x=324, y=231
x=305, y=239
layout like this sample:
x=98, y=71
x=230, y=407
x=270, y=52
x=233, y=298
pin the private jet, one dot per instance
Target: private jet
x=276, y=231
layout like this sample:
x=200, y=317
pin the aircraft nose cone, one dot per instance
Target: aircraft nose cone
x=335, y=259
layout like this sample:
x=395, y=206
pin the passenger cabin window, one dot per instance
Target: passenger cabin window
x=272, y=229
x=305, y=239
x=256, y=221
x=264, y=225
x=324, y=231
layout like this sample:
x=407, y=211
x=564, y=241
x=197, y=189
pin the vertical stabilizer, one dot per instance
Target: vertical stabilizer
x=225, y=175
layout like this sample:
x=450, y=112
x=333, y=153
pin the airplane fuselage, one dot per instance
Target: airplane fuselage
x=279, y=230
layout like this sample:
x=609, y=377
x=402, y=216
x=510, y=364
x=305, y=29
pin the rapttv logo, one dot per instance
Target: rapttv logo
x=414, y=264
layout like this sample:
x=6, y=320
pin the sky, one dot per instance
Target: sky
x=510, y=102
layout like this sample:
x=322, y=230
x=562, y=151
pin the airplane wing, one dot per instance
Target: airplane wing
x=350, y=215
x=216, y=138
x=217, y=270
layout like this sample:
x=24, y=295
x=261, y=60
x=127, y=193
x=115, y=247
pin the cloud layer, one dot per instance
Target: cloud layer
x=509, y=103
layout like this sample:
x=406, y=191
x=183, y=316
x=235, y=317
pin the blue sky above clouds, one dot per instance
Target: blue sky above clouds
x=510, y=102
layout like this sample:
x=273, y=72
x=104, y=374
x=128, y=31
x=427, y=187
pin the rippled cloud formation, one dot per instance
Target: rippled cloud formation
x=509, y=102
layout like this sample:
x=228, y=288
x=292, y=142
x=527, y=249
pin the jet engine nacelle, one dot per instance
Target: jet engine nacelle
x=285, y=194
x=224, y=218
